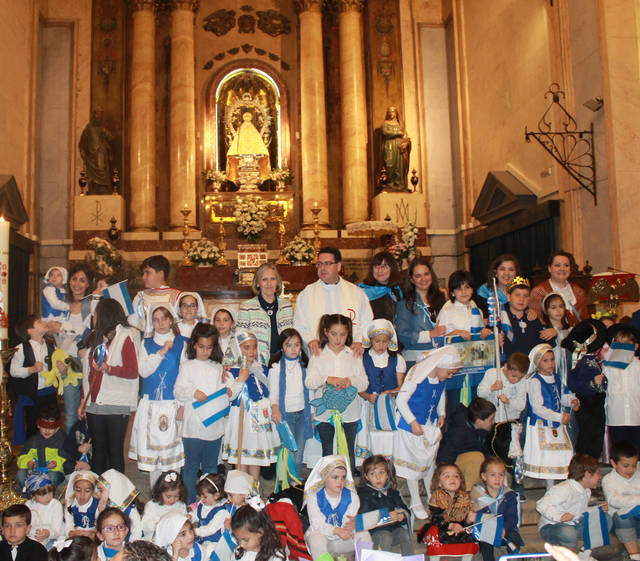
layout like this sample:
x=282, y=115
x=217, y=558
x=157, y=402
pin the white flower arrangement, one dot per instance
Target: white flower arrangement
x=105, y=258
x=298, y=250
x=214, y=175
x=251, y=214
x=280, y=174
x=204, y=251
x=406, y=248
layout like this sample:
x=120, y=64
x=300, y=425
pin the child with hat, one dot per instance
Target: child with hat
x=175, y=533
x=46, y=511
x=547, y=449
x=385, y=369
x=587, y=380
x=54, y=295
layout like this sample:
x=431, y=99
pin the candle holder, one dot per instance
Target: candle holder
x=222, y=245
x=282, y=230
x=316, y=210
x=186, y=245
x=8, y=494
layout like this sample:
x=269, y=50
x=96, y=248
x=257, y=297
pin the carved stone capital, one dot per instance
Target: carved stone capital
x=309, y=5
x=184, y=5
x=350, y=5
x=138, y=5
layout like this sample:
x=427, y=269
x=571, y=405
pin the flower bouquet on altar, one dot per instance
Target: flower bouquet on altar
x=105, y=258
x=251, y=216
x=204, y=252
x=298, y=251
x=406, y=248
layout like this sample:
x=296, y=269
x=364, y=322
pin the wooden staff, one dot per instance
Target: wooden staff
x=243, y=365
x=496, y=342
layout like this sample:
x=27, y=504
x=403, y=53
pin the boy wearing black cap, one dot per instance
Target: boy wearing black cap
x=588, y=382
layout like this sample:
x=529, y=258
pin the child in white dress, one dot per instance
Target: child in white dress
x=46, y=512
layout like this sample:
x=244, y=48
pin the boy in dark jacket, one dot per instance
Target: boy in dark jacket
x=521, y=333
x=45, y=451
x=464, y=443
x=378, y=490
x=16, y=523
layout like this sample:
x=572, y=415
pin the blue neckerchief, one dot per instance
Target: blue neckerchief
x=374, y=292
x=332, y=515
x=381, y=492
x=308, y=426
x=492, y=503
x=486, y=292
x=255, y=388
x=108, y=552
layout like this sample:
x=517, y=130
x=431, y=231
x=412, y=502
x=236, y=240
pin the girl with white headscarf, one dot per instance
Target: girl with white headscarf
x=421, y=408
x=190, y=310
x=175, y=533
x=332, y=505
x=547, y=449
x=156, y=442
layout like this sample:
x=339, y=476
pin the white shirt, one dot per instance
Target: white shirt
x=153, y=512
x=186, y=328
x=621, y=493
x=567, y=496
x=320, y=298
x=46, y=517
x=623, y=394
x=536, y=401
x=405, y=393
x=39, y=352
x=206, y=376
x=341, y=365
x=517, y=394
x=294, y=394
x=455, y=316
x=317, y=520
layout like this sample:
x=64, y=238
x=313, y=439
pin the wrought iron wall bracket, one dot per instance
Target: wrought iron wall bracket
x=571, y=148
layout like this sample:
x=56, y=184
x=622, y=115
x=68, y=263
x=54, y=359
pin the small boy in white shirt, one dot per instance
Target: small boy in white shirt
x=621, y=489
x=46, y=512
x=562, y=507
x=622, y=370
x=510, y=388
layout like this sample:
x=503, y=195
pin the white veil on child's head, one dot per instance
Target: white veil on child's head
x=201, y=314
x=377, y=327
x=79, y=475
x=536, y=354
x=121, y=491
x=148, y=330
x=442, y=357
x=168, y=528
x=324, y=467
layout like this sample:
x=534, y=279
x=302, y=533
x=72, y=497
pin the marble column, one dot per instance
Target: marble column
x=354, y=112
x=182, y=119
x=313, y=126
x=142, y=132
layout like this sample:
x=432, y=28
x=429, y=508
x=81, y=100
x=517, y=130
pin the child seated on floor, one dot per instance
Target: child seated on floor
x=621, y=489
x=332, y=506
x=16, y=544
x=81, y=505
x=563, y=506
x=46, y=512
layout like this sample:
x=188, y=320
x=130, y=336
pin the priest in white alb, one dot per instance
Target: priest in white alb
x=331, y=294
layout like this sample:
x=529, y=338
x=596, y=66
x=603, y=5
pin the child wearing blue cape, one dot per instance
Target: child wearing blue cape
x=250, y=437
x=289, y=395
x=332, y=505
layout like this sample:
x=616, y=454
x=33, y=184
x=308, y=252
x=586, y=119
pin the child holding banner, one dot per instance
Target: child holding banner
x=205, y=398
x=621, y=488
x=564, y=516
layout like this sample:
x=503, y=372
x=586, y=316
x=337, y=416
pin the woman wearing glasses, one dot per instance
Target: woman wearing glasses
x=382, y=286
x=416, y=313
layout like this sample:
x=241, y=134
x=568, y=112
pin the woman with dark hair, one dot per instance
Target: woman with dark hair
x=504, y=268
x=560, y=265
x=71, y=334
x=416, y=314
x=382, y=286
x=111, y=389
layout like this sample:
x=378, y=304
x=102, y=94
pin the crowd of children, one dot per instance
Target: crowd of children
x=206, y=396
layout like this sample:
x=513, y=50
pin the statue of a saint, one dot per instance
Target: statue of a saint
x=396, y=147
x=248, y=142
x=96, y=149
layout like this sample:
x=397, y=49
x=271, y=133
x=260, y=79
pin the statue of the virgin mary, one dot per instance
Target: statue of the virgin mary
x=248, y=142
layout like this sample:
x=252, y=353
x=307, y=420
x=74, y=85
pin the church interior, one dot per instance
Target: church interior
x=226, y=134
x=490, y=126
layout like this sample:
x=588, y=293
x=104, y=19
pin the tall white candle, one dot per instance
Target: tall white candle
x=5, y=233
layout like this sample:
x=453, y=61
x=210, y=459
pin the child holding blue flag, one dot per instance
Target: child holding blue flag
x=491, y=498
x=289, y=394
x=205, y=398
x=563, y=508
x=332, y=505
x=621, y=489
